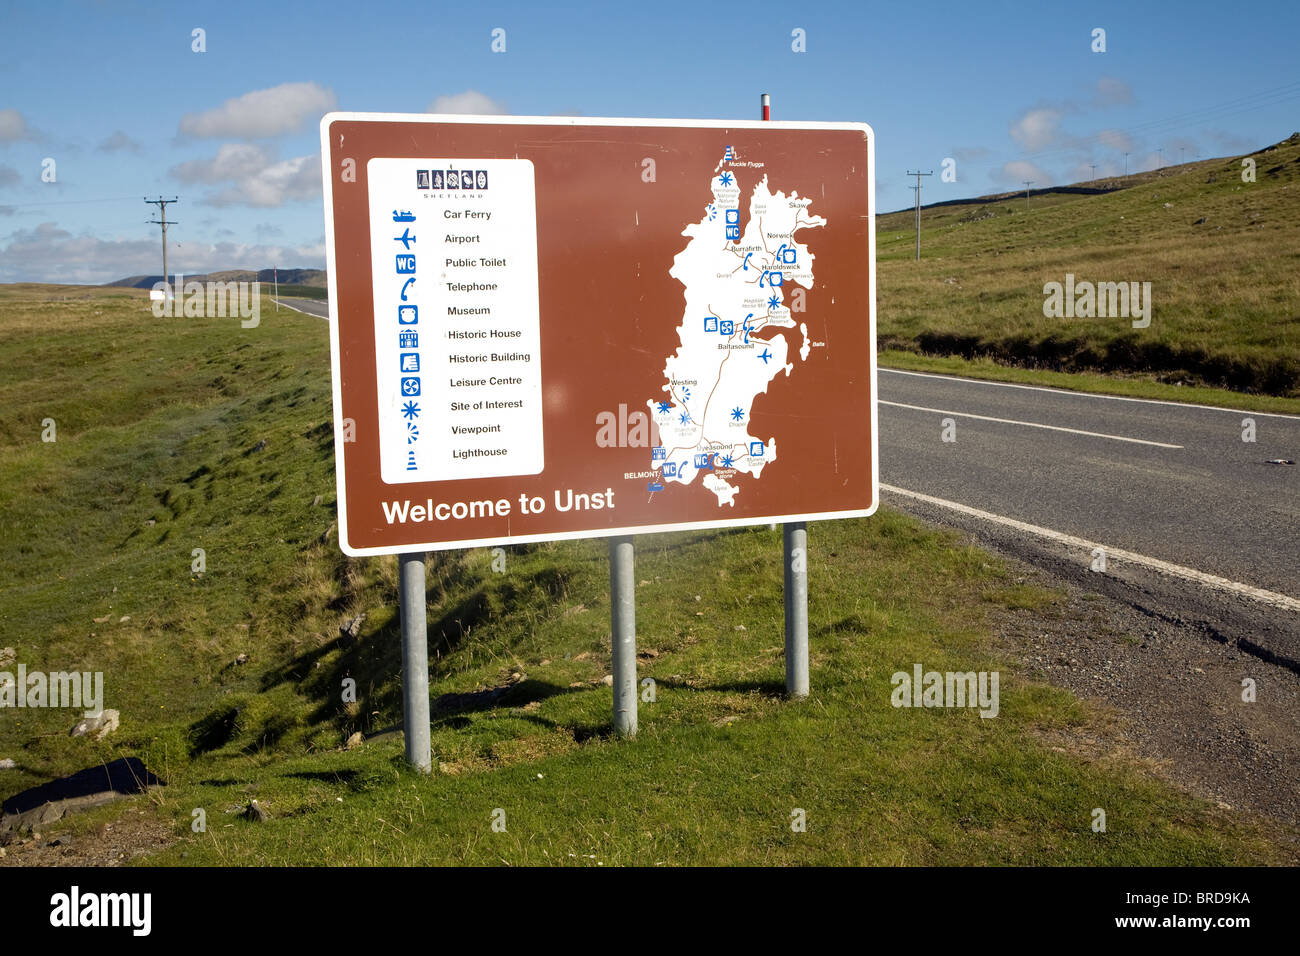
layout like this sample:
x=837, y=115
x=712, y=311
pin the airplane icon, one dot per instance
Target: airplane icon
x=405, y=238
x=765, y=356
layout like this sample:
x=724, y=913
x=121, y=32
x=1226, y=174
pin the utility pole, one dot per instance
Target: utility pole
x=1180, y=155
x=1093, y=167
x=918, y=174
x=1028, y=183
x=1126, y=164
x=162, y=207
x=1161, y=151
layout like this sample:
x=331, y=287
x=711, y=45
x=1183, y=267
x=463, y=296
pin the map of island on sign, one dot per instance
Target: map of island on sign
x=566, y=327
x=735, y=288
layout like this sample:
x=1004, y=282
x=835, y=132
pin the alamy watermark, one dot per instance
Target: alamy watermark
x=210, y=300
x=75, y=908
x=56, y=689
x=946, y=689
x=1101, y=300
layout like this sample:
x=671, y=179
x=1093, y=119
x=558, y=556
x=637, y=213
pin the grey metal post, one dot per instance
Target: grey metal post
x=622, y=625
x=795, y=537
x=415, y=661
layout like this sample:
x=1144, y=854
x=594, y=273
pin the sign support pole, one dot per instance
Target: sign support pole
x=794, y=545
x=622, y=621
x=415, y=661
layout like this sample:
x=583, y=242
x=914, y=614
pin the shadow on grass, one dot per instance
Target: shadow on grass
x=325, y=776
x=767, y=688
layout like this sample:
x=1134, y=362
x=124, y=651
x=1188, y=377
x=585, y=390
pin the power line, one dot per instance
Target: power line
x=1028, y=183
x=917, y=187
x=162, y=206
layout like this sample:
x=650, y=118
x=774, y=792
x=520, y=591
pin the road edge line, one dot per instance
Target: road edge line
x=1272, y=598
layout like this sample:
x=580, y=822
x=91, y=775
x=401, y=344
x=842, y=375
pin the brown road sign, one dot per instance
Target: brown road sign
x=550, y=328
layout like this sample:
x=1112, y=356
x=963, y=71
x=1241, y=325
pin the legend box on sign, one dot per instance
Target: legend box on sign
x=457, y=320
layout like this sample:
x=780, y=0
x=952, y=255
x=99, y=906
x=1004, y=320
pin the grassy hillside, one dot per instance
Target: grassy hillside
x=292, y=277
x=1223, y=258
x=174, y=435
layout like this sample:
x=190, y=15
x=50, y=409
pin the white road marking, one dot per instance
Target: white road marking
x=1190, y=574
x=301, y=311
x=1109, y=398
x=1012, y=421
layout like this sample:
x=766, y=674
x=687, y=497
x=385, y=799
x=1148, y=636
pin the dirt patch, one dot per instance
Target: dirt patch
x=135, y=832
x=1172, y=698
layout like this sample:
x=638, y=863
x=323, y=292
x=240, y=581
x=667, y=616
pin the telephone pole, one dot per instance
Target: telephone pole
x=162, y=208
x=1093, y=167
x=1028, y=183
x=918, y=174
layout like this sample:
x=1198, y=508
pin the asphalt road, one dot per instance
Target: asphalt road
x=316, y=307
x=1170, y=482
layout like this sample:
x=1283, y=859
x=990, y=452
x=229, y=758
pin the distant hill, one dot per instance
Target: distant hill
x=308, y=277
x=1216, y=240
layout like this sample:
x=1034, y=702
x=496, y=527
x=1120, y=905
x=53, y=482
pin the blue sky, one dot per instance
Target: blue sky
x=114, y=94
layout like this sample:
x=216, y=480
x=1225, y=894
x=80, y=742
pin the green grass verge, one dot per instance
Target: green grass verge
x=1128, y=386
x=319, y=293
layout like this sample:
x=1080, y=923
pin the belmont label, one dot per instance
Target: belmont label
x=454, y=265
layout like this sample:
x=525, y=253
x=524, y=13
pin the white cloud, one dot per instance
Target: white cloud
x=279, y=183
x=262, y=113
x=471, y=101
x=233, y=161
x=1147, y=163
x=13, y=127
x=1112, y=92
x=1231, y=141
x=256, y=176
x=1017, y=171
x=119, y=140
x=1116, y=139
x=50, y=254
x=1037, y=128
